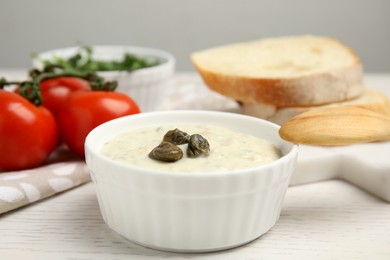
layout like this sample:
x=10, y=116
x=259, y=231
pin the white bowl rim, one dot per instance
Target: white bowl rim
x=168, y=63
x=291, y=153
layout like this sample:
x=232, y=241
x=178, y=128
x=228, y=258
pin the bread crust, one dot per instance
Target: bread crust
x=337, y=126
x=376, y=101
x=315, y=89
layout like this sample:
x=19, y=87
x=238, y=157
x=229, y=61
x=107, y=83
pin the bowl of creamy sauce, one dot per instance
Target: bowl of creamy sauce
x=224, y=197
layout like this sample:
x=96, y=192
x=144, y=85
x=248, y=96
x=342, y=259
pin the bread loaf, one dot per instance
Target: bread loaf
x=337, y=126
x=371, y=99
x=283, y=72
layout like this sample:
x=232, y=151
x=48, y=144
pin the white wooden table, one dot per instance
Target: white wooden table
x=323, y=220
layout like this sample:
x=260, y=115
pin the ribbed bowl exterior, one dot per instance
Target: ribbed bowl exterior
x=147, y=87
x=191, y=212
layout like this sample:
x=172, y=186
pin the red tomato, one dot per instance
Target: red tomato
x=85, y=110
x=56, y=91
x=28, y=134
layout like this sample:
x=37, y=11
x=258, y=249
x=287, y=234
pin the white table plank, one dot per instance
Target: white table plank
x=328, y=220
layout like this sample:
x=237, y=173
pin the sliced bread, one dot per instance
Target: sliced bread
x=371, y=99
x=287, y=71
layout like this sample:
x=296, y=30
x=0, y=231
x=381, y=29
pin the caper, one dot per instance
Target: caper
x=176, y=137
x=167, y=152
x=197, y=145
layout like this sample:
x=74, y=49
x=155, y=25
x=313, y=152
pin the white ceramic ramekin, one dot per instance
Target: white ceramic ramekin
x=190, y=212
x=146, y=86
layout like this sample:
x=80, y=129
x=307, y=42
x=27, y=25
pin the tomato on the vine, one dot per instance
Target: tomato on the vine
x=56, y=91
x=28, y=134
x=85, y=110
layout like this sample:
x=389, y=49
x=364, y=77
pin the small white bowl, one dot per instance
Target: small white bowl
x=190, y=212
x=146, y=86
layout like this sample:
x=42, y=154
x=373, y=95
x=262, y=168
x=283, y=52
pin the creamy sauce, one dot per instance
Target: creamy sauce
x=229, y=150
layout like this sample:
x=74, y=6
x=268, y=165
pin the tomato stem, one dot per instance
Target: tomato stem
x=31, y=89
x=54, y=71
x=28, y=89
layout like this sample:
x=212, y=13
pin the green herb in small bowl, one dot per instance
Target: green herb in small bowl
x=84, y=61
x=142, y=73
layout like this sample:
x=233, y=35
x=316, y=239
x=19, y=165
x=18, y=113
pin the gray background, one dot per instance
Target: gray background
x=182, y=27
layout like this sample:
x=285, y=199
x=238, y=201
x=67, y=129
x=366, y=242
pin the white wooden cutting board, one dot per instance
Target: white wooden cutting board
x=365, y=165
